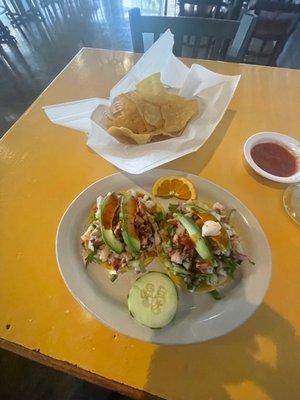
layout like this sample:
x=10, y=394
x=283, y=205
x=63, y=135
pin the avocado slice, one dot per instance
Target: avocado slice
x=220, y=241
x=195, y=235
x=129, y=208
x=108, y=208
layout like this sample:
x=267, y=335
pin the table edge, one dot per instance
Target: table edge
x=74, y=370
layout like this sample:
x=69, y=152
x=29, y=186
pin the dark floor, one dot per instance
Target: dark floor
x=21, y=379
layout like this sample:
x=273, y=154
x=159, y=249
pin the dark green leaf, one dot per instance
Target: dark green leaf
x=215, y=294
x=173, y=207
x=159, y=216
x=113, y=277
x=229, y=266
x=169, y=229
x=190, y=287
x=89, y=258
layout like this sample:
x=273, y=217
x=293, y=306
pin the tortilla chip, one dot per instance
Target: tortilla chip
x=125, y=114
x=150, y=112
x=177, y=113
x=151, y=89
x=101, y=116
x=125, y=135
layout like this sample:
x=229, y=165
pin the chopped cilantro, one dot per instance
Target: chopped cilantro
x=159, y=216
x=173, y=207
x=229, y=266
x=215, y=294
x=113, y=277
x=190, y=287
x=169, y=229
x=90, y=258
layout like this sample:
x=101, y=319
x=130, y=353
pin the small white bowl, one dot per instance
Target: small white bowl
x=286, y=141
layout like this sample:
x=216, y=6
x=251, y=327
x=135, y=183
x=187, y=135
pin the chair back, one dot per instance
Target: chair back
x=199, y=8
x=275, y=25
x=225, y=38
x=274, y=5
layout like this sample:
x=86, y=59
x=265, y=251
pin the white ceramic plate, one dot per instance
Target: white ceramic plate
x=199, y=316
x=263, y=137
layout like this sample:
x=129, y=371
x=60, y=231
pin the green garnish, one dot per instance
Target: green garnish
x=173, y=207
x=230, y=266
x=90, y=258
x=159, y=216
x=169, y=229
x=113, y=277
x=190, y=287
x=215, y=294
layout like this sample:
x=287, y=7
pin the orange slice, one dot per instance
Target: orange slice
x=174, y=186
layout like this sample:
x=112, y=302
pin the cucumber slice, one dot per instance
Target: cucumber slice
x=153, y=300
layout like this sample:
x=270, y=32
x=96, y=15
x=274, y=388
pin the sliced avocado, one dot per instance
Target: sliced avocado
x=129, y=208
x=200, y=207
x=108, y=208
x=195, y=235
x=220, y=241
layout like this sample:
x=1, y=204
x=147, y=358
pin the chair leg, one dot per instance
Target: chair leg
x=181, y=8
x=196, y=47
x=210, y=44
x=277, y=50
x=263, y=45
x=166, y=7
x=8, y=63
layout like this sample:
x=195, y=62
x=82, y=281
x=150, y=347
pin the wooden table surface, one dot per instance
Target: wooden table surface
x=44, y=166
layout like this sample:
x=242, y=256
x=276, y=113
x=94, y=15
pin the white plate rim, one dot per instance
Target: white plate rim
x=154, y=340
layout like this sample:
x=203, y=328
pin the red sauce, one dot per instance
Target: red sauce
x=274, y=158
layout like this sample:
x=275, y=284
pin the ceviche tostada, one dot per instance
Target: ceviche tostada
x=195, y=242
x=122, y=232
x=200, y=249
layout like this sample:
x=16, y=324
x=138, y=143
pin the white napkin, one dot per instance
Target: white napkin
x=214, y=92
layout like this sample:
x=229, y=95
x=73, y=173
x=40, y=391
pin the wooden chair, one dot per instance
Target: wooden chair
x=5, y=35
x=22, y=12
x=226, y=39
x=199, y=8
x=275, y=27
x=288, y=6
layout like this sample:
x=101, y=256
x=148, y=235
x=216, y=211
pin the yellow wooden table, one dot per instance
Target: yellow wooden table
x=44, y=166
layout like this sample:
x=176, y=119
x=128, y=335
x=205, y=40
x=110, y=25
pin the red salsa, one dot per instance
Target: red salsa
x=274, y=158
